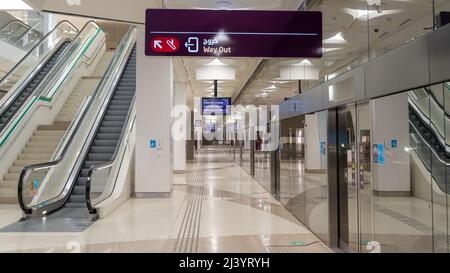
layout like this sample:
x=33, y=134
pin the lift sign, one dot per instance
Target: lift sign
x=233, y=33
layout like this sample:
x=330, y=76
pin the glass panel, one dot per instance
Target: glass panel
x=392, y=23
x=348, y=188
x=19, y=73
x=292, y=166
x=345, y=36
x=246, y=150
x=401, y=171
x=441, y=11
x=315, y=179
x=285, y=160
x=13, y=31
x=447, y=157
x=365, y=178
x=438, y=159
x=262, y=162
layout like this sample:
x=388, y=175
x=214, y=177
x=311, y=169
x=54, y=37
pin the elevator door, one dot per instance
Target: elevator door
x=347, y=180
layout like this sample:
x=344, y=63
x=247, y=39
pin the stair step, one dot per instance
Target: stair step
x=41, y=156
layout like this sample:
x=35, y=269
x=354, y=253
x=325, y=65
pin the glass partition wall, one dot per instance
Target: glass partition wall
x=303, y=180
x=392, y=172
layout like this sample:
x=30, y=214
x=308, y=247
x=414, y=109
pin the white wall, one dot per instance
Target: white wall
x=154, y=98
x=390, y=121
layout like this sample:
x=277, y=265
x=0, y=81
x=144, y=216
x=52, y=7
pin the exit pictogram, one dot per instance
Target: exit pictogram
x=165, y=44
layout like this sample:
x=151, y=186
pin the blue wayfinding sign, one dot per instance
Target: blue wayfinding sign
x=216, y=106
x=152, y=143
x=394, y=143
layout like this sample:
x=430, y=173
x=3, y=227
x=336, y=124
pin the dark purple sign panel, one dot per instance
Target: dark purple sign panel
x=233, y=33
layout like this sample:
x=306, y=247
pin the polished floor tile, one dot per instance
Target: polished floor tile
x=215, y=207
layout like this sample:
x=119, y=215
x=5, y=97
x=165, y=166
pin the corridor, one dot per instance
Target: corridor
x=215, y=207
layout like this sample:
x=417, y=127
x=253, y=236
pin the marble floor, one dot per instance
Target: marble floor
x=214, y=207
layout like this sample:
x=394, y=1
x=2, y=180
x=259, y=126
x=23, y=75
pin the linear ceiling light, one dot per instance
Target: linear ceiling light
x=14, y=5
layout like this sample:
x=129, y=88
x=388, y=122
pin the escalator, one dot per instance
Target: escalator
x=425, y=141
x=98, y=147
x=107, y=137
x=29, y=89
x=19, y=76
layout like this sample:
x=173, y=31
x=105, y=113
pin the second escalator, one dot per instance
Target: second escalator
x=107, y=136
x=31, y=86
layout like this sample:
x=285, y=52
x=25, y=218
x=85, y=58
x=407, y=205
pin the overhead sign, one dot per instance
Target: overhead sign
x=216, y=106
x=233, y=33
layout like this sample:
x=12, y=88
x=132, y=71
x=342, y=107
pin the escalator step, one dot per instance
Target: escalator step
x=74, y=198
x=99, y=157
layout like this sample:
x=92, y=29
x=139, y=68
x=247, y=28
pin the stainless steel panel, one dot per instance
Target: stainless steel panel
x=333, y=204
x=399, y=70
x=308, y=102
x=358, y=77
x=439, y=45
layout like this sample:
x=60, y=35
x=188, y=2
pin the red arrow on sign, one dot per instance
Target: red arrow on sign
x=164, y=44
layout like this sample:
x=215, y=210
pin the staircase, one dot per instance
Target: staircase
x=46, y=138
x=39, y=148
x=85, y=87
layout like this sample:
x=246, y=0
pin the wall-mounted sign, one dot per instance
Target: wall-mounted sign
x=378, y=154
x=375, y=153
x=152, y=143
x=233, y=33
x=216, y=106
x=381, y=154
x=394, y=143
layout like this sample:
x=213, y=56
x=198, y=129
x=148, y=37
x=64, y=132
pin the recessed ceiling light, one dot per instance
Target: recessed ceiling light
x=216, y=62
x=279, y=82
x=304, y=62
x=336, y=39
x=262, y=95
x=272, y=87
x=331, y=49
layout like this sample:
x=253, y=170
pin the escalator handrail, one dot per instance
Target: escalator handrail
x=41, y=166
x=26, y=32
x=107, y=164
x=26, y=170
x=34, y=47
x=434, y=152
x=39, y=87
x=432, y=126
x=13, y=21
x=436, y=100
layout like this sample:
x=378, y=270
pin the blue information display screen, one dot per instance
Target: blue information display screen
x=216, y=106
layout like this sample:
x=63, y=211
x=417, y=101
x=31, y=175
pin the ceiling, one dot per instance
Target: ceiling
x=347, y=31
